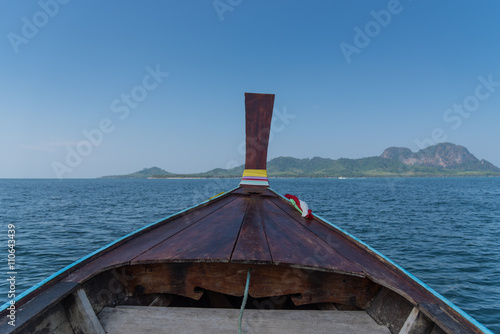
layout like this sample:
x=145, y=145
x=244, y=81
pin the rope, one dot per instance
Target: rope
x=216, y=195
x=245, y=298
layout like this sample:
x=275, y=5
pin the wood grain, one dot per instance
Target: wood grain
x=308, y=287
x=137, y=319
x=259, y=112
x=210, y=239
x=292, y=243
x=252, y=245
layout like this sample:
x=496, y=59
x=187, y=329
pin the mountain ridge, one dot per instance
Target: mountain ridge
x=443, y=159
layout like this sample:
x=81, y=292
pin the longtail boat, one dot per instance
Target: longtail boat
x=246, y=260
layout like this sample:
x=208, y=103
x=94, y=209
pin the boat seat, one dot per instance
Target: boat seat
x=151, y=320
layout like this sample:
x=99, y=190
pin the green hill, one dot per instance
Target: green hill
x=443, y=159
x=143, y=174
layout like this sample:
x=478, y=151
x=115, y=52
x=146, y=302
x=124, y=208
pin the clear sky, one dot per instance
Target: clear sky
x=91, y=88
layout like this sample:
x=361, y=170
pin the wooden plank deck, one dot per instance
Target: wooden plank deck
x=152, y=320
x=292, y=243
x=211, y=239
x=252, y=244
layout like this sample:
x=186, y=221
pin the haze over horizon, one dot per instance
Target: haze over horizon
x=91, y=89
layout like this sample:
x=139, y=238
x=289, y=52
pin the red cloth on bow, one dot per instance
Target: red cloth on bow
x=297, y=201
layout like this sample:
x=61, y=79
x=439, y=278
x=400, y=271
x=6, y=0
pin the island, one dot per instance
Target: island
x=440, y=160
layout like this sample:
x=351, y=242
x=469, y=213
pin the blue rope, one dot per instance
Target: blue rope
x=245, y=298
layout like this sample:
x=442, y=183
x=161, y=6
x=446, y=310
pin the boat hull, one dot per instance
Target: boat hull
x=199, y=258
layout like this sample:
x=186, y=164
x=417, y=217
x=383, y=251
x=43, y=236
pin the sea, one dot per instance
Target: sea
x=445, y=231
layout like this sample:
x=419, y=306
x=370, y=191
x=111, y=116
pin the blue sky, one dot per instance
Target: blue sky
x=92, y=88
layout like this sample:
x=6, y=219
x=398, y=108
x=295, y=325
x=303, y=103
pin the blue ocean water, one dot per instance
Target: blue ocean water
x=445, y=231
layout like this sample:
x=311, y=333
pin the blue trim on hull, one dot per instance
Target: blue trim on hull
x=51, y=277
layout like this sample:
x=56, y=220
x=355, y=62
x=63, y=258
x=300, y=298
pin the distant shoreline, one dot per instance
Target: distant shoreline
x=188, y=178
x=440, y=160
x=232, y=178
x=312, y=177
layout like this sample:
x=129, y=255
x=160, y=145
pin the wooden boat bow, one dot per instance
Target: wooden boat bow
x=199, y=257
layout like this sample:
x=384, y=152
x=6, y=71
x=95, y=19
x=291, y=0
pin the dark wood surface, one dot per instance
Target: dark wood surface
x=291, y=243
x=259, y=112
x=266, y=280
x=210, y=239
x=242, y=227
x=252, y=244
x=254, y=190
